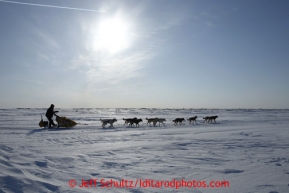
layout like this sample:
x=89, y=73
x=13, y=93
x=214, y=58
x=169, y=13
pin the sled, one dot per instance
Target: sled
x=61, y=122
x=64, y=122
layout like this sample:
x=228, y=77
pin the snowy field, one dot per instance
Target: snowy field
x=248, y=148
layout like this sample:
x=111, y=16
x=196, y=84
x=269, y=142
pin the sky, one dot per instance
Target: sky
x=144, y=54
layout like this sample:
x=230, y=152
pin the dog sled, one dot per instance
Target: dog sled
x=62, y=122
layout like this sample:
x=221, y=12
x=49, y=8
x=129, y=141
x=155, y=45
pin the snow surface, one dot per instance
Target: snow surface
x=247, y=147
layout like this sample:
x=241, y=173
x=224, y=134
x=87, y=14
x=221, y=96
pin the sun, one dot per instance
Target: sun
x=112, y=35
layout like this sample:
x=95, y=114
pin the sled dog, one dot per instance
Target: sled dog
x=206, y=119
x=107, y=121
x=161, y=121
x=150, y=120
x=126, y=121
x=134, y=121
x=212, y=118
x=192, y=119
x=178, y=120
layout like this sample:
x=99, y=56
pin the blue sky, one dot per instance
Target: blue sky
x=151, y=54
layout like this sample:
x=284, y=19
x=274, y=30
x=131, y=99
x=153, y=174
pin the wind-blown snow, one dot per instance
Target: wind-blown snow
x=247, y=147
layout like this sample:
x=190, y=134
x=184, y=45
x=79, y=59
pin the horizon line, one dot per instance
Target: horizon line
x=147, y=108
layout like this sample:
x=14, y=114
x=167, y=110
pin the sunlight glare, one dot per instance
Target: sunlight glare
x=112, y=35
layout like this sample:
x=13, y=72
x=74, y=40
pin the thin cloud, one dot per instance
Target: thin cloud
x=47, y=39
x=46, y=48
x=115, y=71
x=54, y=6
x=110, y=73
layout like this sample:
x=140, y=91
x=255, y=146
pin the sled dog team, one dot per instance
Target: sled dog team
x=135, y=121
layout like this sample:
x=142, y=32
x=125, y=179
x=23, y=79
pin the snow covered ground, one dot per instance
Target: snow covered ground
x=248, y=148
